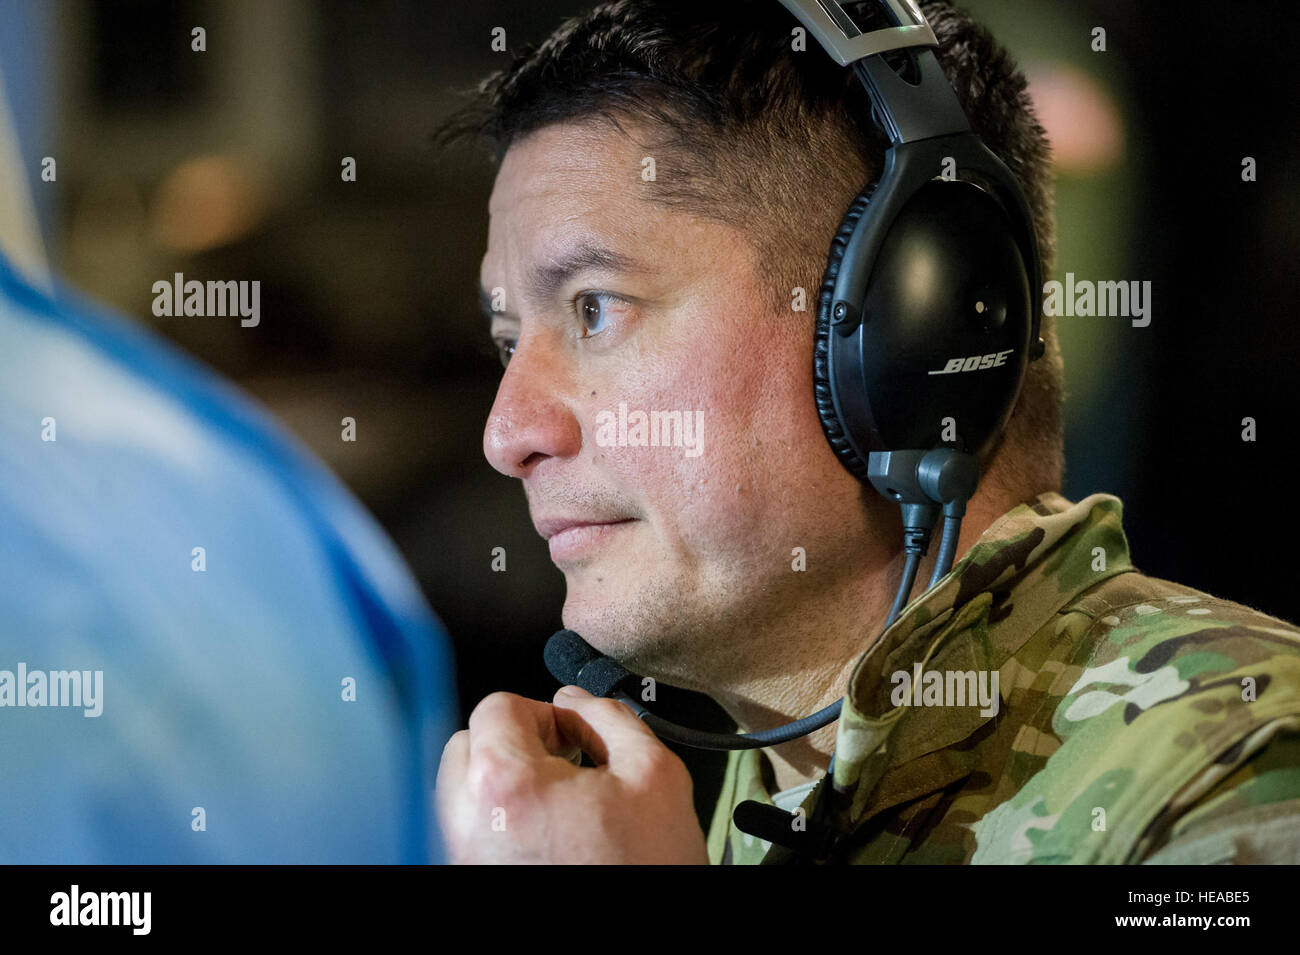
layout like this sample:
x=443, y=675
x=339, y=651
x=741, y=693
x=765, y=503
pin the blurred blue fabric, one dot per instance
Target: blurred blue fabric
x=222, y=688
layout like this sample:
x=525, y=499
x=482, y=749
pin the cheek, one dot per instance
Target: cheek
x=744, y=397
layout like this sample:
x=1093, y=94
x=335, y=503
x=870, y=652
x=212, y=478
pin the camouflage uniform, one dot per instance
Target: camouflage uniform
x=1138, y=720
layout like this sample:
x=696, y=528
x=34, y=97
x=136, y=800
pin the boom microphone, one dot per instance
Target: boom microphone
x=575, y=662
x=572, y=660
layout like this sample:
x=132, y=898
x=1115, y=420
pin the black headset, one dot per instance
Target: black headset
x=926, y=324
x=926, y=320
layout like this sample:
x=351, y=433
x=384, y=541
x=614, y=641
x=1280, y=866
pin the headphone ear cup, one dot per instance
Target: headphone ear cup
x=832, y=427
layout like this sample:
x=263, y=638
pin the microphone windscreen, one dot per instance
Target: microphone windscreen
x=573, y=661
x=566, y=654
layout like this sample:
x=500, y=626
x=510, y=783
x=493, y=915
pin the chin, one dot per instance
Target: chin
x=624, y=631
x=596, y=621
x=607, y=618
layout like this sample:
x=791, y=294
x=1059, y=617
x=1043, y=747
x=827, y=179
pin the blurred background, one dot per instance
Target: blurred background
x=226, y=164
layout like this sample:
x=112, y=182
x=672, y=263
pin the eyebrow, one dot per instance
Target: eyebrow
x=545, y=280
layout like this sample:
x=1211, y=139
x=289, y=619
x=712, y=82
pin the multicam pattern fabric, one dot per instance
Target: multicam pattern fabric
x=1138, y=720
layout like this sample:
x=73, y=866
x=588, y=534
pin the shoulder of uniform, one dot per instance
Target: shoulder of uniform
x=1154, y=645
x=1135, y=604
x=1169, y=687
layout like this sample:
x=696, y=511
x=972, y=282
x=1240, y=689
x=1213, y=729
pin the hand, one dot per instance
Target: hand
x=509, y=791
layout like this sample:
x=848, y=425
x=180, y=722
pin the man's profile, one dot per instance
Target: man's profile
x=669, y=181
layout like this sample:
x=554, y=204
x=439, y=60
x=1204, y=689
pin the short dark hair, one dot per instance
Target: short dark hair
x=771, y=140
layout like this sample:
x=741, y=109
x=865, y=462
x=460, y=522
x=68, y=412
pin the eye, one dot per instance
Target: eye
x=505, y=350
x=592, y=312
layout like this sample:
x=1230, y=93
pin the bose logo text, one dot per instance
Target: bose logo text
x=991, y=360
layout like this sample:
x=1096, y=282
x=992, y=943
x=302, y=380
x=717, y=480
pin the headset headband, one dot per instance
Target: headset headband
x=925, y=124
x=846, y=44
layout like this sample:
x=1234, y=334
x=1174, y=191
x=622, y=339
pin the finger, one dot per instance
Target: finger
x=571, y=734
x=507, y=722
x=451, y=771
x=449, y=791
x=607, y=730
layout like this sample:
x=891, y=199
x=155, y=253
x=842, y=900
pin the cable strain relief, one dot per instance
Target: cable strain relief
x=918, y=526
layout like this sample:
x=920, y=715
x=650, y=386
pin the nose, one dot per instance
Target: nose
x=531, y=420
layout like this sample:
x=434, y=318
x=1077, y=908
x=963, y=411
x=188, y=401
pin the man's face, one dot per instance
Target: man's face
x=618, y=307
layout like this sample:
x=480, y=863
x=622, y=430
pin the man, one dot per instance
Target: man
x=670, y=177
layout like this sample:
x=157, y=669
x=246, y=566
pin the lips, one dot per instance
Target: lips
x=570, y=539
x=551, y=526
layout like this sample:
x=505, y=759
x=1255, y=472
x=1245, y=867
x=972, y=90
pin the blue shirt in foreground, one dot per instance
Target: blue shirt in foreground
x=209, y=718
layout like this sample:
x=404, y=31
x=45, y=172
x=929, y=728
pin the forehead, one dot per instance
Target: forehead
x=561, y=184
x=581, y=159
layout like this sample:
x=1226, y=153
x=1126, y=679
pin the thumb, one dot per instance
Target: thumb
x=607, y=730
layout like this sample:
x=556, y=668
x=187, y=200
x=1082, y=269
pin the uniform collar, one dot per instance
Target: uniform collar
x=1024, y=568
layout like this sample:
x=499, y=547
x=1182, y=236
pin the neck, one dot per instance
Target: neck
x=818, y=645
